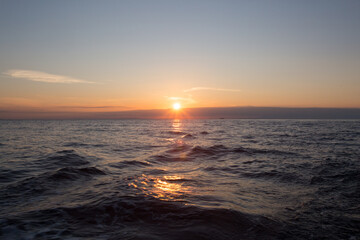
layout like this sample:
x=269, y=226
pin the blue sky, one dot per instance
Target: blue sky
x=145, y=54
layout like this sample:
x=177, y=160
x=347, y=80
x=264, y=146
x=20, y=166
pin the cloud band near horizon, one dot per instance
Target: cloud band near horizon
x=42, y=76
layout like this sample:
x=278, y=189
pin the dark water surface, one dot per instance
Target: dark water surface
x=180, y=179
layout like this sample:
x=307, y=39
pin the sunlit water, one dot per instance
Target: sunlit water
x=180, y=179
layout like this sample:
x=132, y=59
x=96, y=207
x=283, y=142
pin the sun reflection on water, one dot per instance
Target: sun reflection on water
x=166, y=188
x=176, y=124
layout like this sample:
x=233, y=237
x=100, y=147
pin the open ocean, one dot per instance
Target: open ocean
x=180, y=179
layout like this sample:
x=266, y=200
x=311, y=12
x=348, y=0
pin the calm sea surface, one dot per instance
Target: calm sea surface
x=180, y=179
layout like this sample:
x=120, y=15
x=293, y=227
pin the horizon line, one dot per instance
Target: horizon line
x=234, y=112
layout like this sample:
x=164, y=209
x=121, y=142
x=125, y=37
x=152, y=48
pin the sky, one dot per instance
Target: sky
x=101, y=56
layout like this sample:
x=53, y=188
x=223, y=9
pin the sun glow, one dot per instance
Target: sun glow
x=176, y=106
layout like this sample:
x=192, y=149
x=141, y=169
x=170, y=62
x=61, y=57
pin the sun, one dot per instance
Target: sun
x=176, y=106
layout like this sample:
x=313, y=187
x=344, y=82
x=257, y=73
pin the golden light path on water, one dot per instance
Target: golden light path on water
x=168, y=187
x=178, y=178
x=164, y=188
x=176, y=125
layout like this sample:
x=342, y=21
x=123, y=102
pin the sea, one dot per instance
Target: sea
x=180, y=179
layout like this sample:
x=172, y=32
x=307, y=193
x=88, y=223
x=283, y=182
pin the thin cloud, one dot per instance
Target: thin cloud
x=42, y=76
x=211, y=89
x=181, y=99
x=94, y=107
x=16, y=101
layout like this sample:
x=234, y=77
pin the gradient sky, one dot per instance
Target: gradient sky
x=123, y=55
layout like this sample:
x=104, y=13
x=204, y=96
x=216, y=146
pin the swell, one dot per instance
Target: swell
x=130, y=163
x=64, y=158
x=54, y=172
x=116, y=218
x=70, y=173
x=49, y=181
x=77, y=144
x=208, y=151
x=175, y=133
x=285, y=176
x=220, y=149
x=8, y=175
x=185, y=152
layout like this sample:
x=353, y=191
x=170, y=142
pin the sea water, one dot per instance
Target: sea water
x=180, y=179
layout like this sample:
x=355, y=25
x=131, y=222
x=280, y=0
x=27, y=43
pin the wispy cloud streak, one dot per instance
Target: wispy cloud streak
x=93, y=107
x=42, y=76
x=211, y=89
x=182, y=99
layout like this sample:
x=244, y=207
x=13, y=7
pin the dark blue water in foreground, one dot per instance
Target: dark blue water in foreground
x=181, y=179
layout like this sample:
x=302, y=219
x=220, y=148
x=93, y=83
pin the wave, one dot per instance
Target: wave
x=64, y=158
x=70, y=173
x=176, y=132
x=154, y=171
x=129, y=163
x=220, y=149
x=136, y=148
x=261, y=151
x=276, y=175
x=208, y=151
x=8, y=175
x=255, y=161
x=76, y=144
x=227, y=170
x=188, y=136
x=170, y=158
x=51, y=180
x=186, y=152
x=184, y=135
x=331, y=174
x=129, y=217
x=178, y=148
